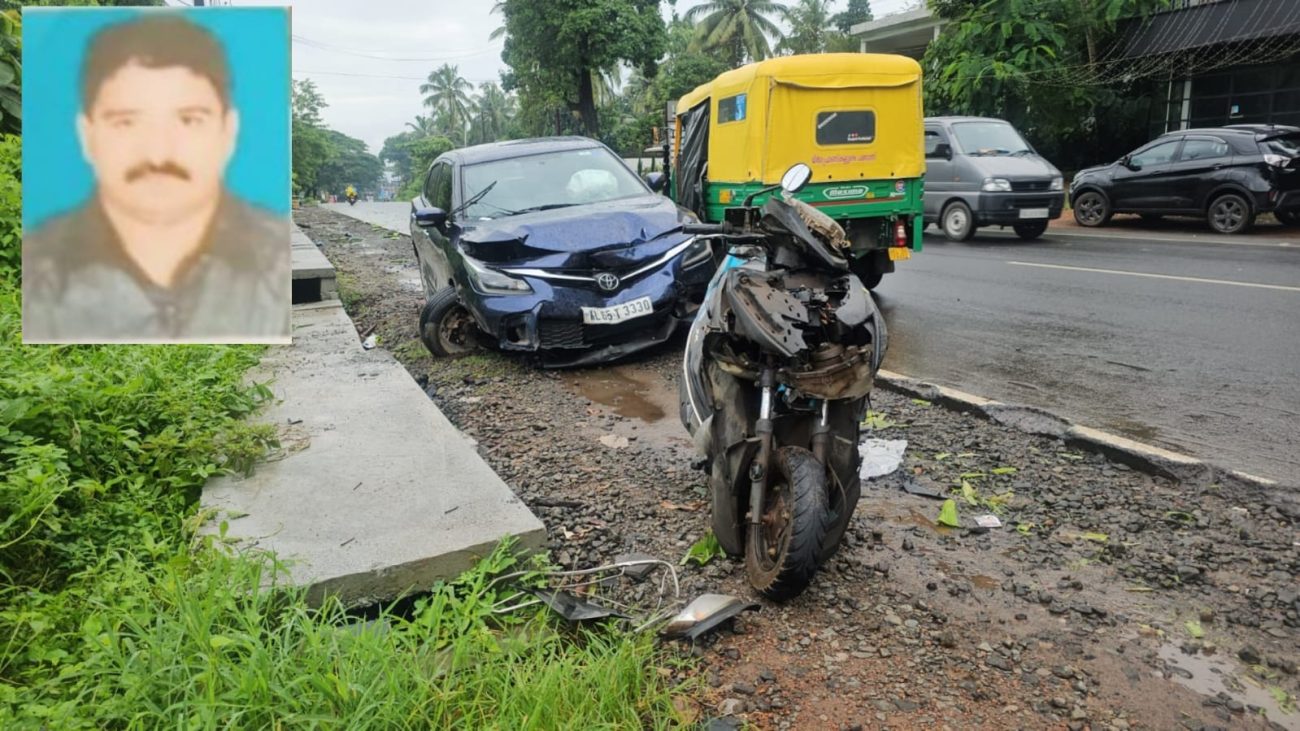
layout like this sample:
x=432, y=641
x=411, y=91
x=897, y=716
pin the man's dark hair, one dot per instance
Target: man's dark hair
x=154, y=41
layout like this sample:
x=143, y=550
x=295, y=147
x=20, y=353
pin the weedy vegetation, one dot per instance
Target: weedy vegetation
x=116, y=613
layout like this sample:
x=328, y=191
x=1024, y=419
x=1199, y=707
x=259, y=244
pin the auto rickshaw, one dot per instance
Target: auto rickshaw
x=855, y=118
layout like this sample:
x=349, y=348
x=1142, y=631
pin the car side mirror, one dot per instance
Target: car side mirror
x=657, y=181
x=430, y=217
x=1127, y=161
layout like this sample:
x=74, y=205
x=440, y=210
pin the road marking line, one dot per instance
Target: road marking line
x=1156, y=276
x=1168, y=239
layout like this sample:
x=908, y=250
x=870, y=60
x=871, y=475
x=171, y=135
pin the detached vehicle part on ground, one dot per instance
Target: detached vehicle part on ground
x=981, y=172
x=551, y=246
x=855, y=116
x=1229, y=175
x=778, y=366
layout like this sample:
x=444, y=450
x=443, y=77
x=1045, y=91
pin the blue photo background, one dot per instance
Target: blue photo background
x=56, y=178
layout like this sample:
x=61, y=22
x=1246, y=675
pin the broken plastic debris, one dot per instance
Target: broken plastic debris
x=880, y=456
x=988, y=521
x=614, y=441
x=706, y=612
x=369, y=342
x=572, y=608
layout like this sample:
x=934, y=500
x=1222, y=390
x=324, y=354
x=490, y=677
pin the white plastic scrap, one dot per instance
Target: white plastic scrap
x=881, y=456
x=988, y=521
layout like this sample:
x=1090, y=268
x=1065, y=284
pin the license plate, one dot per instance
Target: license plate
x=618, y=313
x=899, y=253
x=1033, y=213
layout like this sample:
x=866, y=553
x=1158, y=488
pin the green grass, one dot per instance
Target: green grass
x=113, y=614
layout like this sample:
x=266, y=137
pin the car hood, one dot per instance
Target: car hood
x=609, y=235
x=1094, y=170
x=1015, y=168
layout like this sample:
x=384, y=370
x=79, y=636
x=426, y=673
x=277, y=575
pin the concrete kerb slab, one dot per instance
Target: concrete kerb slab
x=374, y=493
x=1033, y=420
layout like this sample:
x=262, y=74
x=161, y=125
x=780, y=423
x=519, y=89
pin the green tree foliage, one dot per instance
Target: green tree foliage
x=1026, y=60
x=556, y=49
x=859, y=11
x=737, y=30
x=493, y=109
x=310, y=144
x=11, y=205
x=810, y=27
x=447, y=93
x=348, y=163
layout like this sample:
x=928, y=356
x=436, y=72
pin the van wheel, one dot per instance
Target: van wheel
x=957, y=222
x=1091, y=209
x=1030, y=231
x=446, y=327
x=1230, y=214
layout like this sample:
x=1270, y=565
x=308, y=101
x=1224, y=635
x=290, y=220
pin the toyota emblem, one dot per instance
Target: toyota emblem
x=607, y=281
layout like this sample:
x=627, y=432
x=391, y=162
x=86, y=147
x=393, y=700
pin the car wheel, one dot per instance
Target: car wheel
x=1230, y=214
x=1030, y=231
x=957, y=222
x=446, y=327
x=1287, y=218
x=1091, y=209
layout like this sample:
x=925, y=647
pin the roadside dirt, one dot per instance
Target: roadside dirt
x=1108, y=599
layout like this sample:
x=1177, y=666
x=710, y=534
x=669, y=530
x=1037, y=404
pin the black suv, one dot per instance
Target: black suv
x=1227, y=174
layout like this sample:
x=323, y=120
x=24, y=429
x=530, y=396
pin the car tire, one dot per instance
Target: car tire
x=1091, y=209
x=1287, y=218
x=1030, y=231
x=1230, y=214
x=446, y=327
x=957, y=222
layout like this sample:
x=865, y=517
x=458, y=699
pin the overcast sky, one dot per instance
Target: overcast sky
x=368, y=57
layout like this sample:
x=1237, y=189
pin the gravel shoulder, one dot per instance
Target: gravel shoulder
x=1108, y=599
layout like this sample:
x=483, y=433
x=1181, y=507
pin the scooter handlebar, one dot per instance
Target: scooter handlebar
x=708, y=228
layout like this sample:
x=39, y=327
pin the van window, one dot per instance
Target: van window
x=932, y=140
x=846, y=127
x=989, y=138
x=731, y=109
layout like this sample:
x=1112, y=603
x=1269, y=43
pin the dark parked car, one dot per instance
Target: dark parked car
x=554, y=246
x=1227, y=174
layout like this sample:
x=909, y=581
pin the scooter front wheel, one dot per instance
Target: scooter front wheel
x=782, y=548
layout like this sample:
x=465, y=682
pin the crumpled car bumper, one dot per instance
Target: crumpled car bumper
x=549, y=321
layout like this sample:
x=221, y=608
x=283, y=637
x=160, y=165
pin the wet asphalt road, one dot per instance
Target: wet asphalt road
x=1201, y=364
x=1203, y=367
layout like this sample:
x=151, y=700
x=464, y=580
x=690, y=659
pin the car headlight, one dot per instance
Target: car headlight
x=996, y=185
x=1058, y=183
x=491, y=281
x=698, y=251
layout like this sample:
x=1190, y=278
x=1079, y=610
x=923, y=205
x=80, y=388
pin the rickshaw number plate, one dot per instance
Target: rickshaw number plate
x=1033, y=213
x=899, y=253
x=618, y=313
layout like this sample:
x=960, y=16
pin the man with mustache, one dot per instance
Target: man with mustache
x=161, y=251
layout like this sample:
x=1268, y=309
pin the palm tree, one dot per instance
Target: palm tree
x=423, y=126
x=810, y=26
x=446, y=92
x=493, y=112
x=737, y=28
x=501, y=29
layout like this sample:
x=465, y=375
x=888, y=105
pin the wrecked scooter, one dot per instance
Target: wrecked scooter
x=779, y=363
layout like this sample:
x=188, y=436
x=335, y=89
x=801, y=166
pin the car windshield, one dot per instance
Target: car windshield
x=546, y=180
x=989, y=138
x=1288, y=145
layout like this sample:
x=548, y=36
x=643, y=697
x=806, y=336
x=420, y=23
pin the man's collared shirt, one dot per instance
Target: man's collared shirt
x=79, y=285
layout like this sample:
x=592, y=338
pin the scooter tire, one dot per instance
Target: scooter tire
x=782, y=572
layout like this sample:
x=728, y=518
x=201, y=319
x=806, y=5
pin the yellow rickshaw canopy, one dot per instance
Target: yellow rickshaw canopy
x=773, y=109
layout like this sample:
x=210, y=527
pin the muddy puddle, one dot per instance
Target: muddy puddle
x=1214, y=674
x=647, y=403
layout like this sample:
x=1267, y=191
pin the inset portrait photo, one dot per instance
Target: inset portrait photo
x=156, y=161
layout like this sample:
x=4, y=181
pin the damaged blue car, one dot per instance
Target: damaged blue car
x=552, y=246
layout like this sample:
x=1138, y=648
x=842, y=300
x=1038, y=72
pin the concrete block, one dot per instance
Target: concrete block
x=377, y=493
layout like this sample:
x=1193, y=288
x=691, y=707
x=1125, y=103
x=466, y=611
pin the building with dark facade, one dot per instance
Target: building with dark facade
x=1219, y=61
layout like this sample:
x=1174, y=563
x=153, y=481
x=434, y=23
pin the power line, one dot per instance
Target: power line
x=332, y=48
